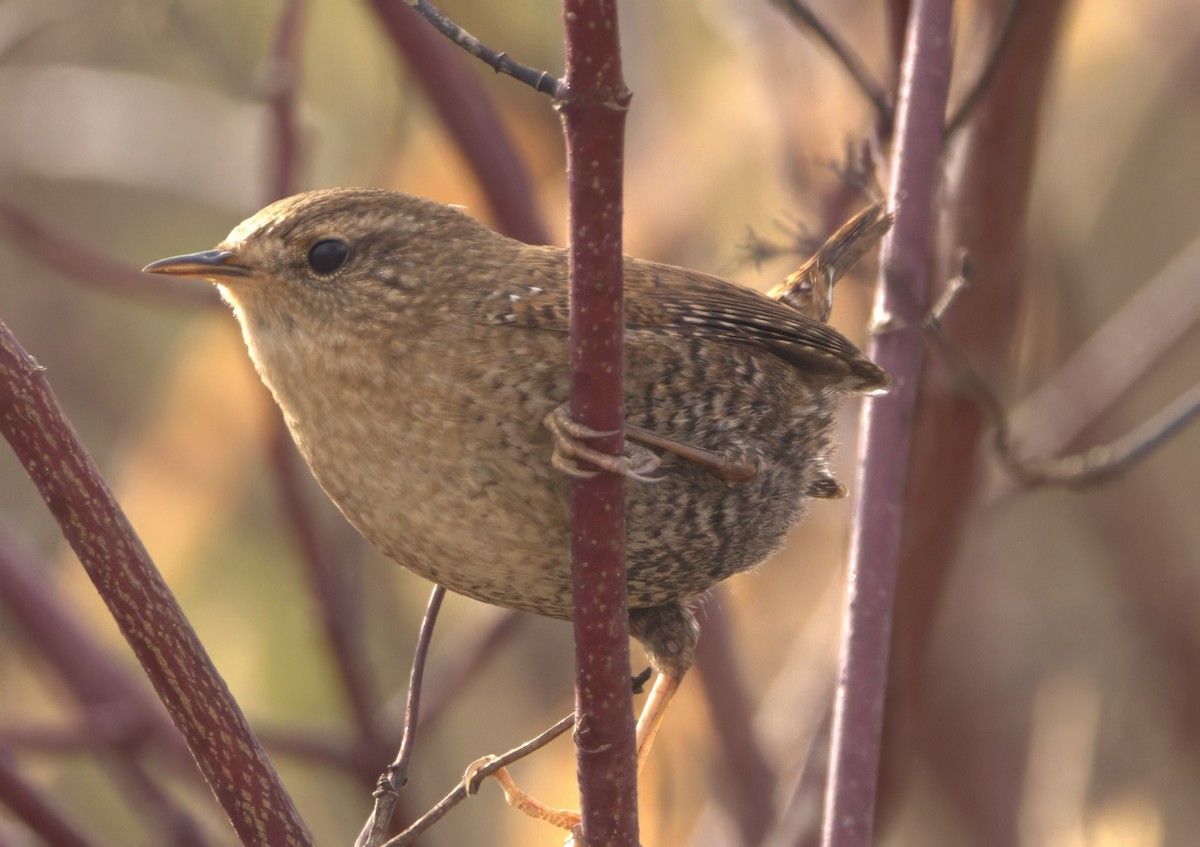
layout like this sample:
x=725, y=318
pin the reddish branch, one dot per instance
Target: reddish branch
x=875, y=543
x=989, y=196
x=216, y=732
x=593, y=110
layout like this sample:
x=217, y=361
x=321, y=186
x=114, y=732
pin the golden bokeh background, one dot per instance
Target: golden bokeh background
x=1067, y=644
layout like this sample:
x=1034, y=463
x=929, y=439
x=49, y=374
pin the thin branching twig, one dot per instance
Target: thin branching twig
x=541, y=81
x=470, y=117
x=387, y=787
x=1093, y=466
x=463, y=790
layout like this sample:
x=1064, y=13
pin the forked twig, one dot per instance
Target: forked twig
x=1093, y=466
x=468, y=787
x=396, y=775
x=501, y=63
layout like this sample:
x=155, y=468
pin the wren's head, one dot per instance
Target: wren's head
x=326, y=261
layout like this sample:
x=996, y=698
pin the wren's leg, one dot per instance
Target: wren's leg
x=637, y=462
x=730, y=466
x=669, y=634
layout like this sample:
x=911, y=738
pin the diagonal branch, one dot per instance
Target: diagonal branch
x=470, y=118
x=805, y=18
x=230, y=757
x=88, y=266
x=501, y=63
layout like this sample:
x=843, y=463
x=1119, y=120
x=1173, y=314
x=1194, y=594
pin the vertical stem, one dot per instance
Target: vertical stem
x=887, y=425
x=988, y=191
x=593, y=111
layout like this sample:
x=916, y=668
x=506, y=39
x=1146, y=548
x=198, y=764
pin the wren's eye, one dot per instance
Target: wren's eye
x=327, y=255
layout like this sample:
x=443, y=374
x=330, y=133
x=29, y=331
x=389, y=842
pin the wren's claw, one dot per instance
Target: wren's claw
x=569, y=451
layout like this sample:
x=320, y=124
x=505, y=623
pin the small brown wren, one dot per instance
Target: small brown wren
x=420, y=360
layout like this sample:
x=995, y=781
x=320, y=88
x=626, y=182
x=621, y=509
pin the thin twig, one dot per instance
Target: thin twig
x=963, y=113
x=470, y=117
x=398, y=769
x=472, y=652
x=501, y=63
x=806, y=18
x=395, y=777
x=1107, y=461
x=1092, y=379
x=1093, y=466
x=463, y=790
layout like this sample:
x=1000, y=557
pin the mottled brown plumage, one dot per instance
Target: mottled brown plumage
x=416, y=354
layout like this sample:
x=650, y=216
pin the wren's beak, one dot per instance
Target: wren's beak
x=211, y=264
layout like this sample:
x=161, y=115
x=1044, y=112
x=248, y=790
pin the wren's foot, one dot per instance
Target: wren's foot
x=518, y=799
x=569, y=451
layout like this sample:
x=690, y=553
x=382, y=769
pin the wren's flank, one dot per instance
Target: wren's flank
x=420, y=360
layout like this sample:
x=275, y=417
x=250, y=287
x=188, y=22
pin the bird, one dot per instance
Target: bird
x=421, y=363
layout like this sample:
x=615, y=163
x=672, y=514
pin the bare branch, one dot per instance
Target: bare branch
x=87, y=266
x=888, y=431
x=33, y=808
x=470, y=118
x=501, y=63
x=463, y=790
x=388, y=786
x=805, y=18
x=1091, y=467
x=593, y=110
x=230, y=757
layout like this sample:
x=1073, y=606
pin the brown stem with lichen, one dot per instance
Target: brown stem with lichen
x=593, y=111
x=216, y=732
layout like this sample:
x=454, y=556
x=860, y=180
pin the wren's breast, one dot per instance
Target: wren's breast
x=445, y=472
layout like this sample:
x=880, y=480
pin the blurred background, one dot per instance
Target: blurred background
x=1052, y=693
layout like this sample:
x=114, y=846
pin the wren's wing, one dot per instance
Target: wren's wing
x=691, y=304
x=714, y=308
